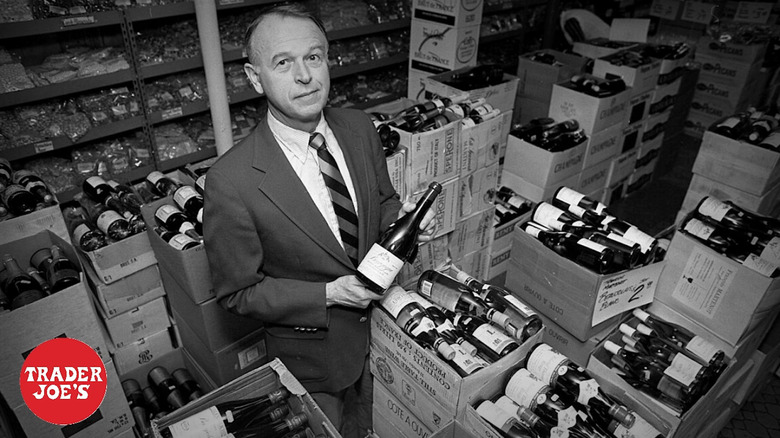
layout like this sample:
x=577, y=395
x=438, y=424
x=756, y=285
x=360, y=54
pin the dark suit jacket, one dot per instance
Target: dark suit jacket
x=271, y=251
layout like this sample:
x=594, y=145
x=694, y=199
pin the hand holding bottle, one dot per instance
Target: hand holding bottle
x=428, y=224
x=350, y=292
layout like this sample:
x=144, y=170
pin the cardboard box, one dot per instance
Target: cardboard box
x=261, y=381
x=746, y=54
x=481, y=144
x=722, y=295
x=471, y=234
x=122, y=258
x=673, y=69
x=434, y=45
x=430, y=255
x=528, y=109
x=641, y=177
x=632, y=137
x=228, y=362
x=126, y=293
x=594, y=178
x=712, y=107
x=724, y=71
x=112, y=419
x=641, y=79
x=215, y=326
x=738, y=96
x=473, y=191
x=437, y=383
x=621, y=167
x=171, y=361
x=531, y=191
x=391, y=418
x=615, y=191
x=146, y=319
x=190, y=268
x=594, y=114
x=567, y=344
x=49, y=218
x=431, y=156
x=738, y=164
x=416, y=82
x=536, y=79
x=403, y=404
x=574, y=297
x=500, y=96
x=465, y=13
x=767, y=204
x=603, y=145
x=498, y=262
x=600, y=47
x=475, y=262
x=502, y=233
x=696, y=124
x=539, y=166
x=655, y=127
x=397, y=169
x=664, y=97
x=638, y=108
x=143, y=351
x=446, y=206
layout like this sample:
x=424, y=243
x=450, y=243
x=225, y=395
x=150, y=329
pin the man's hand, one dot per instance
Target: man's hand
x=427, y=226
x=349, y=291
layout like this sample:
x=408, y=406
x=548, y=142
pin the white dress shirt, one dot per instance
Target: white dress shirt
x=304, y=161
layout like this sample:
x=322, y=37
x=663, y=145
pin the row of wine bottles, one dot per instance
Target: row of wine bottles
x=551, y=396
x=665, y=361
x=22, y=191
x=746, y=237
x=752, y=126
x=596, y=86
x=49, y=271
x=435, y=113
x=509, y=205
x=468, y=323
x=546, y=133
x=583, y=230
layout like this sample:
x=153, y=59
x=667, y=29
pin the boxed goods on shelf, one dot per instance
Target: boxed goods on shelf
x=144, y=320
x=738, y=164
x=261, y=381
x=537, y=77
x=439, y=46
x=593, y=113
x=615, y=191
x=603, y=145
x=142, y=351
x=539, y=166
x=126, y=293
x=452, y=14
x=501, y=95
x=641, y=78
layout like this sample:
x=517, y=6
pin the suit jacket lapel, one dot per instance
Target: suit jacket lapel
x=283, y=187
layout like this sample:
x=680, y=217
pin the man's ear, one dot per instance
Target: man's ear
x=254, y=78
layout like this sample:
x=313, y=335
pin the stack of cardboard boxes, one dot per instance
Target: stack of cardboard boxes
x=444, y=37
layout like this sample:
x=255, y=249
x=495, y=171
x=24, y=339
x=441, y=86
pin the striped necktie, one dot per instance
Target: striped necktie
x=339, y=195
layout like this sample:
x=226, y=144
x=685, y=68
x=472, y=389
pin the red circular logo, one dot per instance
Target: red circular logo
x=63, y=381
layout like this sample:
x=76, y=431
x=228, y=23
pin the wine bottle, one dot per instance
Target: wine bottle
x=565, y=197
x=187, y=383
x=154, y=405
x=758, y=129
x=637, y=430
x=521, y=316
x=386, y=257
x=40, y=280
x=503, y=421
x=444, y=326
x=732, y=126
x=98, y=190
x=170, y=217
x=162, y=382
x=35, y=185
x=489, y=339
x=476, y=119
x=5, y=303
x=6, y=173
x=584, y=252
x=684, y=338
x=648, y=243
x=59, y=271
x=712, y=235
x=127, y=196
x=575, y=384
x=190, y=202
x=515, y=201
x=527, y=391
x=463, y=109
x=455, y=296
x=160, y=184
x=224, y=418
x=772, y=141
x=769, y=225
x=179, y=241
x=728, y=215
x=414, y=321
x=135, y=400
x=18, y=286
x=108, y=221
x=199, y=179
x=530, y=420
x=18, y=200
x=277, y=429
x=555, y=219
x=82, y=231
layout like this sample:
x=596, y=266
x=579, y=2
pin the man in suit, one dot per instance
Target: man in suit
x=274, y=240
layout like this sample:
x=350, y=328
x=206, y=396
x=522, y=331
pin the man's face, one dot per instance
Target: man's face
x=291, y=69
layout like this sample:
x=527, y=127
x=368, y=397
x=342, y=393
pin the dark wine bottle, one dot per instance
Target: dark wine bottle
x=276, y=429
x=224, y=418
x=154, y=405
x=35, y=185
x=386, y=257
x=108, y=221
x=59, y=271
x=772, y=141
x=732, y=126
x=170, y=217
x=5, y=303
x=187, y=383
x=160, y=184
x=199, y=179
x=6, y=173
x=40, y=280
x=127, y=196
x=584, y=252
x=82, y=231
x=18, y=200
x=444, y=326
x=575, y=384
x=135, y=400
x=20, y=288
x=556, y=219
x=190, y=202
x=565, y=197
x=164, y=384
x=648, y=243
x=530, y=420
x=503, y=421
x=179, y=241
x=490, y=340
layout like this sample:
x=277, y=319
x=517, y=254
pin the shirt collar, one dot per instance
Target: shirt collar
x=296, y=139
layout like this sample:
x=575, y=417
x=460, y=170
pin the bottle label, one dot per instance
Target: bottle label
x=442, y=296
x=588, y=389
x=492, y=337
x=107, y=218
x=184, y=194
x=204, y=423
x=569, y=196
x=445, y=327
x=771, y=251
x=559, y=432
x=468, y=363
x=699, y=229
x=79, y=232
x=499, y=418
x=567, y=418
x=702, y=348
x=519, y=306
x=644, y=240
x=592, y=245
x=468, y=122
x=576, y=210
x=762, y=266
x=165, y=212
x=620, y=239
x=395, y=300
x=179, y=241
x=423, y=325
x=683, y=369
x=714, y=208
x=546, y=215
x=526, y=390
x=533, y=231
x=547, y=364
x=421, y=299
x=730, y=122
x=772, y=140
x=95, y=181
x=154, y=176
x=381, y=266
